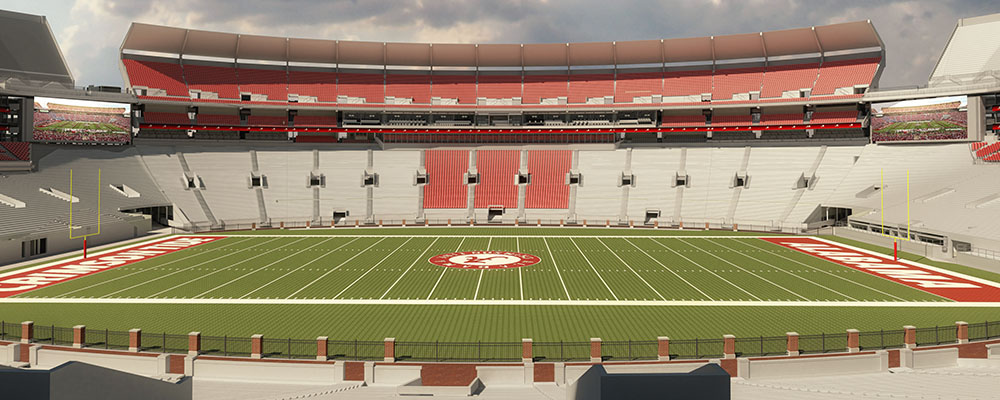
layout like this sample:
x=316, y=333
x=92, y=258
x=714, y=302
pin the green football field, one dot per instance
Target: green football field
x=374, y=283
x=921, y=126
x=81, y=125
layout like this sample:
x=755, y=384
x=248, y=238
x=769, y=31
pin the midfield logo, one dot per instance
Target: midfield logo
x=484, y=260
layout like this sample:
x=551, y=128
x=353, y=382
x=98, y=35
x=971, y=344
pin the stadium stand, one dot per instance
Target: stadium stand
x=781, y=78
x=834, y=117
x=628, y=86
x=445, y=171
x=497, y=170
x=20, y=150
x=548, y=188
x=731, y=120
x=454, y=86
x=160, y=75
x=416, y=87
x=219, y=80
x=322, y=85
x=731, y=81
x=687, y=83
x=367, y=86
x=844, y=73
x=166, y=118
x=537, y=87
x=782, y=119
x=586, y=86
x=697, y=120
x=216, y=119
x=261, y=120
x=269, y=82
x=315, y=120
x=499, y=86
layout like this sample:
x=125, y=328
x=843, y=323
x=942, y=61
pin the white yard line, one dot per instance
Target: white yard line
x=200, y=277
x=421, y=257
x=594, y=268
x=334, y=268
x=782, y=270
x=668, y=269
x=520, y=278
x=149, y=269
x=298, y=268
x=482, y=271
x=557, y=268
x=654, y=303
x=182, y=270
x=443, y=270
x=827, y=272
x=747, y=271
x=630, y=269
x=703, y=267
x=297, y=253
x=374, y=266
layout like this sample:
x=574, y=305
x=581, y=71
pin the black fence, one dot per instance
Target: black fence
x=611, y=350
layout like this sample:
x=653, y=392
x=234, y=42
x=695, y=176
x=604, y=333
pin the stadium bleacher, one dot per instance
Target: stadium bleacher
x=628, y=86
x=548, y=188
x=781, y=78
x=453, y=86
x=844, y=73
x=445, y=170
x=730, y=81
x=269, y=82
x=687, y=83
x=160, y=75
x=497, y=170
x=215, y=79
x=537, y=87
x=20, y=150
x=166, y=118
x=319, y=84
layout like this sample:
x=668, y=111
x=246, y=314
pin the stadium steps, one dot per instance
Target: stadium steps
x=738, y=190
x=679, y=199
x=799, y=192
x=258, y=191
x=198, y=195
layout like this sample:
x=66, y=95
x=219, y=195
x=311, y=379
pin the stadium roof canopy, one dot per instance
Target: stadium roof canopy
x=28, y=50
x=972, y=53
x=812, y=40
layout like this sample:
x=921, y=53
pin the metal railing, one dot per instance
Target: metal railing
x=544, y=351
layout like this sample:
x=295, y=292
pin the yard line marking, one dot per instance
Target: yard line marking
x=520, y=279
x=668, y=269
x=154, y=266
x=630, y=269
x=374, y=266
x=706, y=269
x=827, y=272
x=745, y=270
x=554, y=263
x=480, y=281
x=593, y=268
x=299, y=267
x=299, y=252
x=181, y=270
x=782, y=270
x=222, y=269
x=443, y=270
x=408, y=269
x=335, y=268
x=611, y=303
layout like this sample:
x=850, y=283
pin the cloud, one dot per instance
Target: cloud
x=914, y=32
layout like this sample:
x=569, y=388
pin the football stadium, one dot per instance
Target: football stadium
x=734, y=216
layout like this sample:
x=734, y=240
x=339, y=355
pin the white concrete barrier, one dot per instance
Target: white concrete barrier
x=652, y=368
x=993, y=351
x=7, y=354
x=935, y=358
x=502, y=376
x=393, y=375
x=139, y=365
x=265, y=371
x=813, y=366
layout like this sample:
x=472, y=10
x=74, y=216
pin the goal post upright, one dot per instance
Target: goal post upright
x=84, y=236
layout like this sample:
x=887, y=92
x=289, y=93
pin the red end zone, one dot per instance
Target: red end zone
x=22, y=281
x=944, y=283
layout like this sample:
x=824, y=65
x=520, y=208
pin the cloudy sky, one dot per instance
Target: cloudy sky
x=90, y=31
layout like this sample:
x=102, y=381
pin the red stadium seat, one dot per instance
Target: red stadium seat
x=221, y=80
x=731, y=120
x=499, y=86
x=260, y=120
x=20, y=150
x=445, y=187
x=409, y=86
x=834, y=117
x=631, y=85
x=537, y=87
x=782, y=78
x=369, y=86
x=844, y=73
x=214, y=119
x=322, y=85
x=781, y=119
x=273, y=83
x=687, y=83
x=728, y=82
x=166, y=76
x=315, y=120
x=166, y=118
x=548, y=188
x=497, y=169
x=461, y=87
x=585, y=86
x=695, y=120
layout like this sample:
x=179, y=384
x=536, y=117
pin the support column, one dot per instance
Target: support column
x=27, y=331
x=728, y=346
x=79, y=336
x=792, y=343
x=962, y=333
x=853, y=341
x=526, y=351
x=663, y=348
x=194, y=343
x=134, y=340
x=390, y=350
x=256, y=346
x=595, y=350
x=910, y=336
x=321, y=348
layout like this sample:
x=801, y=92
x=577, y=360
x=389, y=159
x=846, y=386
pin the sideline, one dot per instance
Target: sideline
x=512, y=302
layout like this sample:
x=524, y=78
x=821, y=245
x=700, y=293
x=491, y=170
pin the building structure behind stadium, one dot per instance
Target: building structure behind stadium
x=768, y=131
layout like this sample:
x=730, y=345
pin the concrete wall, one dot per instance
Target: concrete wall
x=793, y=367
x=933, y=358
x=149, y=365
x=268, y=371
